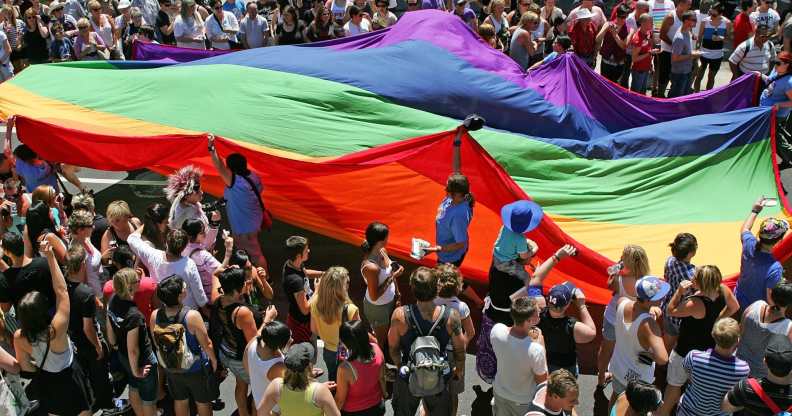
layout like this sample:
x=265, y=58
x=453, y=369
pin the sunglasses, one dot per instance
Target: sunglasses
x=219, y=8
x=777, y=63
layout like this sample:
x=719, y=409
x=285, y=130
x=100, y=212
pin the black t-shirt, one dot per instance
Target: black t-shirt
x=294, y=280
x=164, y=20
x=743, y=395
x=502, y=285
x=100, y=226
x=124, y=317
x=559, y=335
x=16, y=282
x=83, y=305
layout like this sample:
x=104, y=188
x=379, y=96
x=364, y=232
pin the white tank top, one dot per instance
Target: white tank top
x=105, y=31
x=390, y=292
x=55, y=362
x=258, y=369
x=610, y=308
x=672, y=31
x=624, y=364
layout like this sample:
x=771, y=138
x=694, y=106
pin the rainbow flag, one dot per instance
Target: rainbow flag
x=360, y=129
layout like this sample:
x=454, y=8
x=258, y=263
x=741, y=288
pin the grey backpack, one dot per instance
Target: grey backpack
x=428, y=362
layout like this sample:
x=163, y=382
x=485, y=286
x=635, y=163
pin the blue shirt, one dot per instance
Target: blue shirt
x=509, y=245
x=35, y=175
x=243, y=209
x=237, y=8
x=451, y=226
x=776, y=92
x=711, y=377
x=61, y=49
x=759, y=271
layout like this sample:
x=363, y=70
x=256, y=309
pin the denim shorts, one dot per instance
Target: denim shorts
x=147, y=387
x=608, y=330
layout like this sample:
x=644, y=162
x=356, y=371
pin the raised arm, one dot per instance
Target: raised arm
x=224, y=172
x=749, y=222
x=544, y=269
x=60, y=322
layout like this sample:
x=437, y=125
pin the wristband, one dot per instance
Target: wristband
x=756, y=211
x=557, y=259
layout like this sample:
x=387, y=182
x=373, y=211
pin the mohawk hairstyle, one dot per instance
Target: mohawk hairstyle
x=182, y=182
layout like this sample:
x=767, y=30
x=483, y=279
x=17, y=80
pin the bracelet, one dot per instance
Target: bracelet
x=557, y=259
x=756, y=211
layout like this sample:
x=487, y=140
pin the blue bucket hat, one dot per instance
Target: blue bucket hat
x=521, y=216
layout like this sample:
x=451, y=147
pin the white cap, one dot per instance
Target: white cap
x=124, y=4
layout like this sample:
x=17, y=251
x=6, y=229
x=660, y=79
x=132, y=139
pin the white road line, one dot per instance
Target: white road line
x=123, y=181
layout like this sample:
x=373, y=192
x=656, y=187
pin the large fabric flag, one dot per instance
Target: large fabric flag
x=355, y=130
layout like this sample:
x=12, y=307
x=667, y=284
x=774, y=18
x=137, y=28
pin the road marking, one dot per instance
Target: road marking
x=122, y=181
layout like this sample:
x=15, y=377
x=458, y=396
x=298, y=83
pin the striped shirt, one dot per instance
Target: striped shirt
x=675, y=272
x=13, y=32
x=711, y=377
x=749, y=57
x=659, y=10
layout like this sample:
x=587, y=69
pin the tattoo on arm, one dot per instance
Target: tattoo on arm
x=456, y=326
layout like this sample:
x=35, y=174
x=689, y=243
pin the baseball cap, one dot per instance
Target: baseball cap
x=124, y=4
x=778, y=355
x=651, y=288
x=773, y=228
x=299, y=356
x=521, y=216
x=561, y=294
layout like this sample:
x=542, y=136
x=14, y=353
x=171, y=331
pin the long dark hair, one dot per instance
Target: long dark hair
x=33, y=316
x=39, y=222
x=155, y=214
x=459, y=184
x=354, y=335
x=375, y=232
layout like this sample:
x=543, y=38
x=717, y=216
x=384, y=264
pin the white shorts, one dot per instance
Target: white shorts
x=677, y=375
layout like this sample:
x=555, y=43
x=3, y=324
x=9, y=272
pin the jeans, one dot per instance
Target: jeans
x=611, y=72
x=330, y=359
x=639, y=81
x=680, y=85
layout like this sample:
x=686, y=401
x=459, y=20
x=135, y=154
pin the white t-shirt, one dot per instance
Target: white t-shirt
x=454, y=303
x=254, y=30
x=519, y=360
x=769, y=18
x=160, y=268
x=194, y=29
x=214, y=30
x=352, y=29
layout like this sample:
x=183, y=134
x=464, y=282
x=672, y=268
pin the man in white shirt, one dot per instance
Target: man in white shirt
x=521, y=360
x=254, y=30
x=162, y=264
x=765, y=15
x=357, y=24
x=598, y=18
x=221, y=26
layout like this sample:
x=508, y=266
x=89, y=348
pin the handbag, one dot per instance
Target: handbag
x=266, y=216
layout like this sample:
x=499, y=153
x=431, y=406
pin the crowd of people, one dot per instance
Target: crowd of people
x=678, y=44
x=94, y=305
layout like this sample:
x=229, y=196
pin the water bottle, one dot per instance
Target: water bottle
x=404, y=372
x=615, y=269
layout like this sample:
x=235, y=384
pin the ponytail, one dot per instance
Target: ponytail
x=375, y=232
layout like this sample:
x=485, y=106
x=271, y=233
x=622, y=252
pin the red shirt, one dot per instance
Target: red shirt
x=742, y=29
x=642, y=41
x=362, y=396
x=582, y=35
x=143, y=296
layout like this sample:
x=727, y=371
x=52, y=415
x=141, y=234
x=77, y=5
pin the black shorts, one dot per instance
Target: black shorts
x=664, y=67
x=713, y=64
x=200, y=385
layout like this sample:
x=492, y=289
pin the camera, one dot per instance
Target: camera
x=214, y=205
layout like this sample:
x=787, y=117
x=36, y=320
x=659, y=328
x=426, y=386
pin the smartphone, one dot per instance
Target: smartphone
x=395, y=266
x=226, y=234
x=769, y=202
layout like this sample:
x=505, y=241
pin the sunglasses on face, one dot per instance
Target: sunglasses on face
x=95, y=10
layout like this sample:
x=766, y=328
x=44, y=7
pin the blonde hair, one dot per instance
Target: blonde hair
x=10, y=11
x=44, y=193
x=123, y=282
x=529, y=17
x=635, y=260
x=496, y=3
x=332, y=294
x=118, y=209
x=80, y=219
x=449, y=280
x=297, y=381
x=83, y=23
x=726, y=332
x=708, y=278
x=94, y=4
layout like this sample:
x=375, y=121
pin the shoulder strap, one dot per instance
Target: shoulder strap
x=255, y=191
x=46, y=350
x=440, y=318
x=757, y=388
x=413, y=320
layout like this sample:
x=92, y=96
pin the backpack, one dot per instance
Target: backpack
x=428, y=363
x=170, y=337
x=757, y=388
